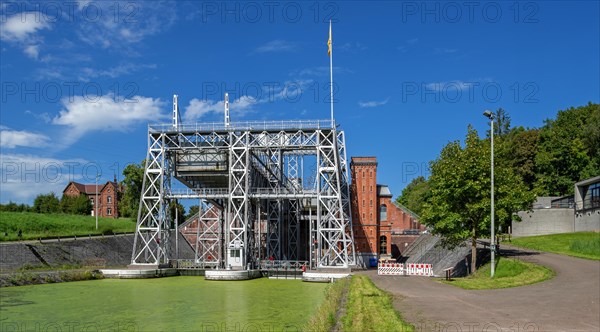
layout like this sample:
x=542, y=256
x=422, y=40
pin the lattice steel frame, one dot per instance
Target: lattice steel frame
x=208, y=248
x=262, y=169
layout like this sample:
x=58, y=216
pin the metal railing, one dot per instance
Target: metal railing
x=192, y=264
x=246, y=125
x=282, y=264
x=224, y=192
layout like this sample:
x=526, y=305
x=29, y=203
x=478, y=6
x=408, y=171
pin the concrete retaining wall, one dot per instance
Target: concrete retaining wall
x=587, y=221
x=544, y=221
x=96, y=251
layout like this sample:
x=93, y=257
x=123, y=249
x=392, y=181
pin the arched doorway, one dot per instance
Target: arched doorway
x=383, y=245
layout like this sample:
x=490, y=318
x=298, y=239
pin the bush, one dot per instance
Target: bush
x=48, y=203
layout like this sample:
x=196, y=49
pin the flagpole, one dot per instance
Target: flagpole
x=331, y=74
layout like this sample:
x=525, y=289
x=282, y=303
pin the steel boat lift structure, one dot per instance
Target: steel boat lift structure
x=274, y=190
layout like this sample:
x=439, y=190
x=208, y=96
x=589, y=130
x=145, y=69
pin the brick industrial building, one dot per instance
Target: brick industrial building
x=382, y=228
x=108, y=195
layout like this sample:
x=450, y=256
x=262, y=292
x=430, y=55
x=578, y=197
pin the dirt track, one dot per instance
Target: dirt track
x=568, y=302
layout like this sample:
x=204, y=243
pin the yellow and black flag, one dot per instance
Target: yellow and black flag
x=329, y=41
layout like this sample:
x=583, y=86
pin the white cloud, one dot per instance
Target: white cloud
x=20, y=27
x=12, y=138
x=33, y=51
x=25, y=176
x=369, y=104
x=352, y=46
x=199, y=108
x=106, y=113
x=276, y=46
x=137, y=21
x=445, y=50
x=319, y=71
x=114, y=72
x=449, y=86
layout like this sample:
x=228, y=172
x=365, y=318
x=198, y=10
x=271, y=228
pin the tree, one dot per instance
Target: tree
x=518, y=150
x=48, y=203
x=415, y=194
x=79, y=204
x=501, y=122
x=132, y=182
x=175, y=205
x=568, y=150
x=192, y=211
x=459, y=204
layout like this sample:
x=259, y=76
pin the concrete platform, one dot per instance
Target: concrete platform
x=232, y=274
x=138, y=273
x=318, y=276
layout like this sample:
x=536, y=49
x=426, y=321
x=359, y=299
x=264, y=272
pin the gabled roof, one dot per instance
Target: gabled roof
x=89, y=189
x=406, y=210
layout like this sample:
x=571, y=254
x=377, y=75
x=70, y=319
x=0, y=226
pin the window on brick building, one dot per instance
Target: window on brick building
x=363, y=202
x=108, y=212
x=383, y=212
x=383, y=245
x=108, y=199
x=371, y=203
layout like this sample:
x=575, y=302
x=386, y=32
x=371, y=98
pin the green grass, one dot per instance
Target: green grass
x=581, y=244
x=509, y=273
x=370, y=309
x=37, y=225
x=324, y=318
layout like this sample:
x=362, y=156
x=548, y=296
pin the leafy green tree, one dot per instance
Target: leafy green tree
x=133, y=180
x=174, y=205
x=459, y=204
x=415, y=194
x=14, y=207
x=192, y=211
x=518, y=150
x=568, y=150
x=79, y=204
x=501, y=122
x=48, y=203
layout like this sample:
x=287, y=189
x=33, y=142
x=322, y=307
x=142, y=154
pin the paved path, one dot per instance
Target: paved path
x=568, y=302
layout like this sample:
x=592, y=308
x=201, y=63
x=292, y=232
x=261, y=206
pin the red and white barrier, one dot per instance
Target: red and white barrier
x=393, y=269
x=412, y=269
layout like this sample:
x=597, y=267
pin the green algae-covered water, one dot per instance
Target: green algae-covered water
x=164, y=304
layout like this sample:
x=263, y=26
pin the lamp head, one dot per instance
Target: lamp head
x=489, y=114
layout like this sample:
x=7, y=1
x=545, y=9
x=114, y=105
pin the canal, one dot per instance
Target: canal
x=162, y=304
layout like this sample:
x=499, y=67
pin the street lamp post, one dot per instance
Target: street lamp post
x=96, y=202
x=490, y=116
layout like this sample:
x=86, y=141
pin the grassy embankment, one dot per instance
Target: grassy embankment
x=581, y=244
x=509, y=273
x=37, y=225
x=366, y=308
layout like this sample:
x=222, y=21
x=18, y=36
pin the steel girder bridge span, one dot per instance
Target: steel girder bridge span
x=266, y=190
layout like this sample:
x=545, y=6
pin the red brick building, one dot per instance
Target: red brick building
x=108, y=195
x=381, y=227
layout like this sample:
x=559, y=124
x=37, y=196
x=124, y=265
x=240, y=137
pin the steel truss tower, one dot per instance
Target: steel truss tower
x=257, y=198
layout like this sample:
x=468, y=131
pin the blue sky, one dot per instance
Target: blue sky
x=80, y=81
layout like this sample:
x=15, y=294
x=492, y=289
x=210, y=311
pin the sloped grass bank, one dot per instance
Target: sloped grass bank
x=580, y=244
x=509, y=273
x=34, y=226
